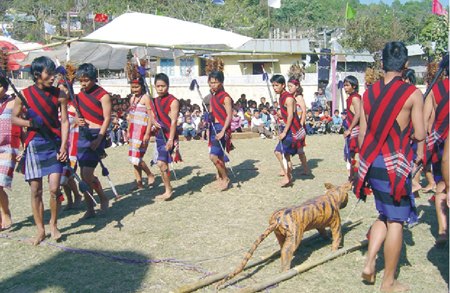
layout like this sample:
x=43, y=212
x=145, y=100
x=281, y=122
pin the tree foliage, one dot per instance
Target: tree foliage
x=373, y=26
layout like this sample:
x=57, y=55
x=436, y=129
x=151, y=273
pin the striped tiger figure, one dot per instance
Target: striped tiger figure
x=290, y=223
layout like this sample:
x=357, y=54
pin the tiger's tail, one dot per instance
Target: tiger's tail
x=249, y=254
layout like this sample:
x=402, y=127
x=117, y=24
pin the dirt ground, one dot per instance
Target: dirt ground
x=143, y=246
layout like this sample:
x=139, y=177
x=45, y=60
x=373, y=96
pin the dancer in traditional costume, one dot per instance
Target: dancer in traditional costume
x=437, y=106
x=391, y=115
x=46, y=140
x=296, y=90
x=139, y=127
x=9, y=147
x=221, y=110
x=166, y=108
x=67, y=179
x=293, y=133
x=94, y=104
x=351, y=87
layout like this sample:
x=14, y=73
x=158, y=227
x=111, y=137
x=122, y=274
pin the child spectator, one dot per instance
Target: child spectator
x=265, y=116
x=325, y=120
x=123, y=124
x=310, y=123
x=236, y=122
x=258, y=126
x=336, y=127
x=189, y=130
x=115, y=132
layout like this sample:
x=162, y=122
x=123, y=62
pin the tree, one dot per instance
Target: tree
x=434, y=36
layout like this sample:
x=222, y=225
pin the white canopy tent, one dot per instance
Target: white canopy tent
x=165, y=31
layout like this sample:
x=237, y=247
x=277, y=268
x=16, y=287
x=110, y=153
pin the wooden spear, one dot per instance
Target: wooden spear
x=302, y=268
x=217, y=277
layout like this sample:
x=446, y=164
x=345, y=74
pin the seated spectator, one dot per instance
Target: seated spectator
x=325, y=125
x=115, y=132
x=258, y=126
x=236, y=122
x=317, y=122
x=265, y=116
x=248, y=117
x=123, y=124
x=336, y=127
x=310, y=123
x=196, y=116
x=189, y=130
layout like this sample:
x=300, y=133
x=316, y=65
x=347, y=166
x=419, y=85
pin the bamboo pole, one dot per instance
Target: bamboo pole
x=302, y=268
x=217, y=277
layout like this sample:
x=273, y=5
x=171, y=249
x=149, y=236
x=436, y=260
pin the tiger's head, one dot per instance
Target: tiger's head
x=339, y=193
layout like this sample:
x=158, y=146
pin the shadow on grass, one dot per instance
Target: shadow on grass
x=86, y=272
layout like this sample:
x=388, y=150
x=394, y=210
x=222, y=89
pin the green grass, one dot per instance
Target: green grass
x=208, y=230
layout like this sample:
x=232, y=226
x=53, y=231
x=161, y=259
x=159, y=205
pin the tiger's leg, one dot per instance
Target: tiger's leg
x=336, y=233
x=287, y=252
x=280, y=237
x=323, y=233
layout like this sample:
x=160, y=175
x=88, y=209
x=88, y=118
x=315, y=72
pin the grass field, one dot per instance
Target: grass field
x=142, y=246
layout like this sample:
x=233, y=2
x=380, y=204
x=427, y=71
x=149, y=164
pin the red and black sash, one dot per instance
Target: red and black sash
x=217, y=106
x=440, y=126
x=295, y=125
x=90, y=105
x=45, y=104
x=219, y=112
x=162, y=109
x=383, y=103
x=350, y=114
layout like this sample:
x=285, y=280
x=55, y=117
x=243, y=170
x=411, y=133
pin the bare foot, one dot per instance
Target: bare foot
x=441, y=240
x=394, y=287
x=56, y=235
x=150, y=180
x=286, y=182
x=6, y=222
x=224, y=184
x=164, y=197
x=428, y=188
x=104, y=204
x=416, y=186
x=281, y=174
x=36, y=240
x=88, y=215
x=368, y=274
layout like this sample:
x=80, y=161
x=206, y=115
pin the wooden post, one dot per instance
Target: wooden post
x=302, y=268
x=217, y=277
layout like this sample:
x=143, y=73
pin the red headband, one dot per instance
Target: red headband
x=294, y=81
x=135, y=81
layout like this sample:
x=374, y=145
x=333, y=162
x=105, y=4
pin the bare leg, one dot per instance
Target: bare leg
x=286, y=181
x=378, y=233
x=306, y=170
x=441, y=213
x=223, y=181
x=54, y=192
x=150, y=176
x=73, y=186
x=37, y=206
x=6, y=221
x=430, y=179
x=138, y=175
x=392, y=249
x=165, y=174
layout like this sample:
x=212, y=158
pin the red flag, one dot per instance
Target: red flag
x=101, y=17
x=437, y=8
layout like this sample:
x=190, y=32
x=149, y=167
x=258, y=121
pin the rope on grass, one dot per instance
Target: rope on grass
x=172, y=261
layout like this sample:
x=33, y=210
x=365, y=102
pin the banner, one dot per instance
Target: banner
x=101, y=17
x=349, y=12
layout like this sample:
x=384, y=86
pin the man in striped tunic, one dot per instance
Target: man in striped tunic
x=46, y=140
x=391, y=115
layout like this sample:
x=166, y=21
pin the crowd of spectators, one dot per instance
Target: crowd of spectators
x=248, y=116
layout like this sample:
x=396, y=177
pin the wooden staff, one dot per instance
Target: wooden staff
x=217, y=277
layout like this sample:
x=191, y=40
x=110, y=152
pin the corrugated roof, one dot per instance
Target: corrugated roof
x=277, y=45
x=415, y=50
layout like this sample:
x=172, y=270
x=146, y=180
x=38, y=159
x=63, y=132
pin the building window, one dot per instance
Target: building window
x=258, y=68
x=186, y=66
x=167, y=66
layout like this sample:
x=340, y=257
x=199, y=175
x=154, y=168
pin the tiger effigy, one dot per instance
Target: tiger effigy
x=289, y=224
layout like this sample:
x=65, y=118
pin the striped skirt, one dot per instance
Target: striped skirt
x=138, y=126
x=40, y=159
x=7, y=162
x=286, y=146
x=388, y=209
x=86, y=156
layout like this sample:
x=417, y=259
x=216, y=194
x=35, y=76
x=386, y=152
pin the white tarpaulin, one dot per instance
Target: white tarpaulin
x=153, y=29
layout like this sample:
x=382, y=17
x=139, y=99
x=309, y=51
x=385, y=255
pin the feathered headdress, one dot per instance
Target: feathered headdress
x=132, y=70
x=432, y=68
x=214, y=64
x=372, y=75
x=71, y=70
x=297, y=71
